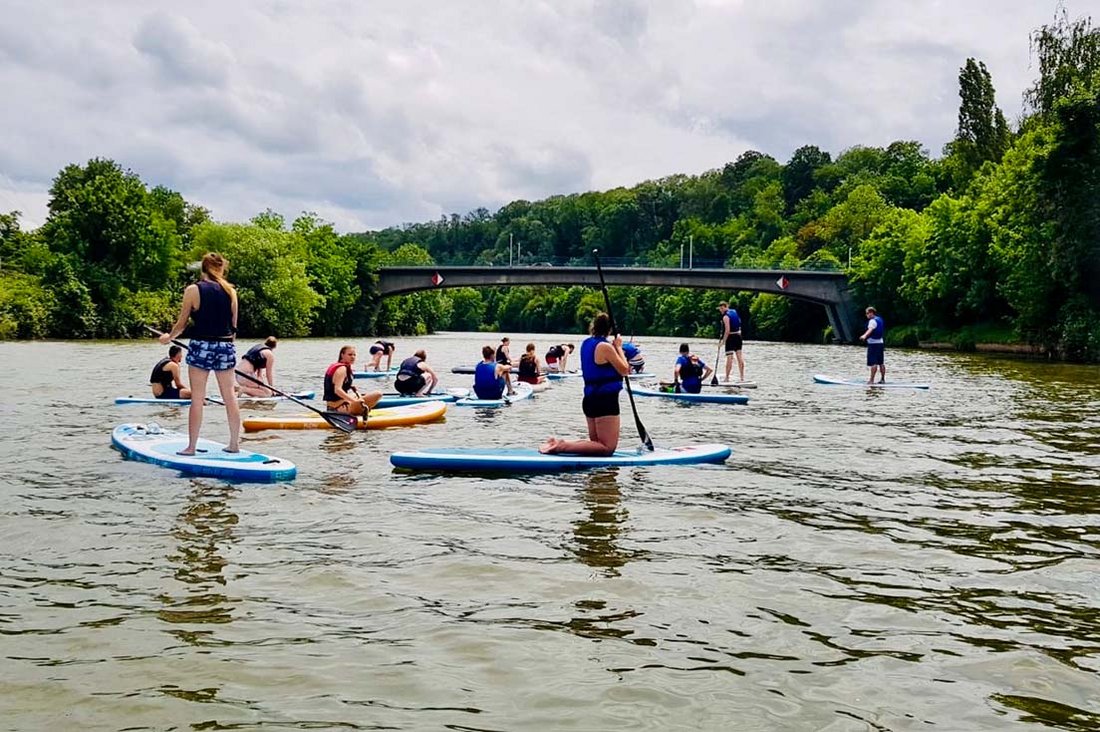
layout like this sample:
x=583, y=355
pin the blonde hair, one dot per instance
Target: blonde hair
x=215, y=266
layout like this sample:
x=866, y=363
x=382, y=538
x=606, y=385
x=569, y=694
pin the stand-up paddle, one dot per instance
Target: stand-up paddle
x=615, y=331
x=717, y=361
x=339, y=420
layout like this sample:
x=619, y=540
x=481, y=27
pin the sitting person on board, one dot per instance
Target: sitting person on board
x=491, y=378
x=166, y=379
x=603, y=366
x=340, y=392
x=557, y=358
x=503, y=354
x=690, y=371
x=530, y=371
x=634, y=357
x=379, y=349
x=415, y=377
x=258, y=362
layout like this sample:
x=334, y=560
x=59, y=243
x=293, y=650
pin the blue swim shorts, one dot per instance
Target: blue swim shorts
x=211, y=355
x=876, y=354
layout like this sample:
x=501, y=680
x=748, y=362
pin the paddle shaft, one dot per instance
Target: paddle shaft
x=717, y=363
x=327, y=415
x=615, y=331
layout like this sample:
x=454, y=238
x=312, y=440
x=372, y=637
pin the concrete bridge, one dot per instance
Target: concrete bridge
x=828, y=289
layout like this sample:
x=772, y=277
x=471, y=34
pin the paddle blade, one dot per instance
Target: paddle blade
x=342, y=421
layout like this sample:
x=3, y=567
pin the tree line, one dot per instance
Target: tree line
x=997, y=237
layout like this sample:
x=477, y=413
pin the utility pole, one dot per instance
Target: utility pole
x=691, y=252
x=509, y=250
x=681, y=255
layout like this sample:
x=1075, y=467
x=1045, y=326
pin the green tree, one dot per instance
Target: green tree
x=983, y=133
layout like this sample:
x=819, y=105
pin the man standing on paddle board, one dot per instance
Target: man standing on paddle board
x=603, y=365
x=875, y=335
x=731, y=339
x=166, y=380
x=340, y=392
x=211, y=306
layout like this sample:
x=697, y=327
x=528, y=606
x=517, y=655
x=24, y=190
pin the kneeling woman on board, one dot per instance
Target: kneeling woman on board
x=258, y=362
x=603, y=366
x=415, y=377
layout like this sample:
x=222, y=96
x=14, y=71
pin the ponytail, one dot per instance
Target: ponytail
x=214, y=266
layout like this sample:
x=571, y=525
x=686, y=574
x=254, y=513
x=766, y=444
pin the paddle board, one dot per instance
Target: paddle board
x=523, y=391
x=214, y=399
x=472, y=369
x=526, y=460
x=633, y=377
x=721, y=384
x=554, y=375
x=395, y=399
x=151, y=444
x=708, y=398
x=822, y=379
x=378, y=419
x=374, y=374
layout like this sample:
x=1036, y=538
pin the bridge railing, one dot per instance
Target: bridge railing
x=535, y=261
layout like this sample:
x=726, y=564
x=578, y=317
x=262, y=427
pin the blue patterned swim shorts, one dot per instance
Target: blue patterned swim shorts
x=211, y=355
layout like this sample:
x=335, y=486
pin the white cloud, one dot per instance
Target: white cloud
x=374, y=113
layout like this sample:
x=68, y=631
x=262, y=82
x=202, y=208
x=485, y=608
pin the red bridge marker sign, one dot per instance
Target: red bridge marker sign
x=437, y=279
x=782, y=283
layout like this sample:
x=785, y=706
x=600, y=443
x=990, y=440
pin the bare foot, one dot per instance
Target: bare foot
x=550, y=446
x=232, y=449
x=186, y=453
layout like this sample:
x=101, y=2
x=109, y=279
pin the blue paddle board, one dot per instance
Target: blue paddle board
x=523, y=391
x=217, y=400
x=705, y=398
x=374, y=374
x=829, y=380
x=400, y=400
x=151, y=444
x=473, y=369
x=525, y=460
x=555, y=376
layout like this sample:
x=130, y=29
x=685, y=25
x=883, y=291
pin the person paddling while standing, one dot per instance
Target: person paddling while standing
x=875, y=335
x=490, y=377
x=340, y=392
x=379, y=349
x=166, y=380
x=690, y=371
x=258, y=362
x=603, y=366
x=211, y=305
x=731, y=340
x=415, y=376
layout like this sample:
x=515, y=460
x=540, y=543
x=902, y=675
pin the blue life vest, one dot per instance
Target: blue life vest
x=598, y=378
x=690, y=374
x=734, y=319
x=410, y=367
x=487, y=385
x=880, y=329
x=256, y=357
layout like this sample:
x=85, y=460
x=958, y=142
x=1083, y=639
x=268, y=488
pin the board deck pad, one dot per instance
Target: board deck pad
x=528, y=460
x=523, y=391
x=152, y=444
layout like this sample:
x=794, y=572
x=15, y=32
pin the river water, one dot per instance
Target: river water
x=866, y=560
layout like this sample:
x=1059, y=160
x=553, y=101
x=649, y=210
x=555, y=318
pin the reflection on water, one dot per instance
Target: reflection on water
x=204, y=530
x=598, y=534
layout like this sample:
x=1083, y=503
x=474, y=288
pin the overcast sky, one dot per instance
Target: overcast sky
x=377, y=113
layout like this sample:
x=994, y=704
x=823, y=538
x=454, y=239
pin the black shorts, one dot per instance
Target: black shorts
x=376, y=349
x=170, y=392
x=601, y=404
x=733, y=343
x=410, y=385
x=876, y=354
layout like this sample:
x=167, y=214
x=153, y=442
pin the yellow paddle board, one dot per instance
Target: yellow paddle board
x=379, y=419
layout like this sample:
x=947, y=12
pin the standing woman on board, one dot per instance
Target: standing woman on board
x=258, y=362
x=603, y=366
x=211, y=305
